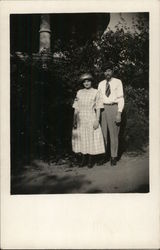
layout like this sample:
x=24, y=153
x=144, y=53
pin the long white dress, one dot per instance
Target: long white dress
x=86, y=139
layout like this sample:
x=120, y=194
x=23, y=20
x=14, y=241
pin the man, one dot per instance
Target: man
x=112, y=93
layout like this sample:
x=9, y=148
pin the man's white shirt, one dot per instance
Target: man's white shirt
x=116, y=95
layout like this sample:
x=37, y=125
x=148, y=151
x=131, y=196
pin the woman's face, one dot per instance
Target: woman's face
x=87, y=83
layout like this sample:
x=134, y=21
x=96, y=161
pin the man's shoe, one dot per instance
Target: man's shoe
x=113, y=161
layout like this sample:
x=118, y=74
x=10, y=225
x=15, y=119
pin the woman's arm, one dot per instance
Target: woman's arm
x=75, y=118
x=98, y=114
x=96, y=122
x=75, y=115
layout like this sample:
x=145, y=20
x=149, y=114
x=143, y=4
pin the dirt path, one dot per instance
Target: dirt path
x=131, y=175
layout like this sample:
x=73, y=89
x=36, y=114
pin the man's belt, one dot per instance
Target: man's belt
x=111, y=104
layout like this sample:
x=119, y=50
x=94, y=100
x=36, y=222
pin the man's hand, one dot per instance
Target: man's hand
x=96, y=124
x=118, y=118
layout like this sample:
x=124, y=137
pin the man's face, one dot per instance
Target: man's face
x=108, y=74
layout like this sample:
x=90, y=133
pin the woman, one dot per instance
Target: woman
x=87, y=137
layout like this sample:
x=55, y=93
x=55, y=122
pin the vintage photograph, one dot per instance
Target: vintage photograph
x=79, y=103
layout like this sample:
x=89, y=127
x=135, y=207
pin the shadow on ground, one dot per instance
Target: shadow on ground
x=50, y=184
x=43, y=179
x=39, y=177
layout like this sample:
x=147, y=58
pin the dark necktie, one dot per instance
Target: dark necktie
x=108, y=90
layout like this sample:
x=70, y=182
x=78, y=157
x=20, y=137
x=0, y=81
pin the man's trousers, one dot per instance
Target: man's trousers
x=108, y=124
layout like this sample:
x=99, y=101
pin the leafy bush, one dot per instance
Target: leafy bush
x=135, y=123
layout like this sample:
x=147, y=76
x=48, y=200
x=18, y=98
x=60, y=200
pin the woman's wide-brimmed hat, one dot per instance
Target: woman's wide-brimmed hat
x=85, y=76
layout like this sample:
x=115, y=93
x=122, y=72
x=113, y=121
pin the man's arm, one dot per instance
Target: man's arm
x=120, y=99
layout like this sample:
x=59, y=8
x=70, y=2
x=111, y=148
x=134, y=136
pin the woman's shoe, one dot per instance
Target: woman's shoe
x=83, y=161
x=90, y=161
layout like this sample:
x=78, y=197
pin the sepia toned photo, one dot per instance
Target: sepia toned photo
x=79, y=101
x=79, y=124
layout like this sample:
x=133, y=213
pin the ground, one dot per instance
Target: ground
x=130, y=176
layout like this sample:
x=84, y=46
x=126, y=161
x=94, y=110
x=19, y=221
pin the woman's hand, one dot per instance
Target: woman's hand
x=96, y=124
x=75, y=121
x=74, y=124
